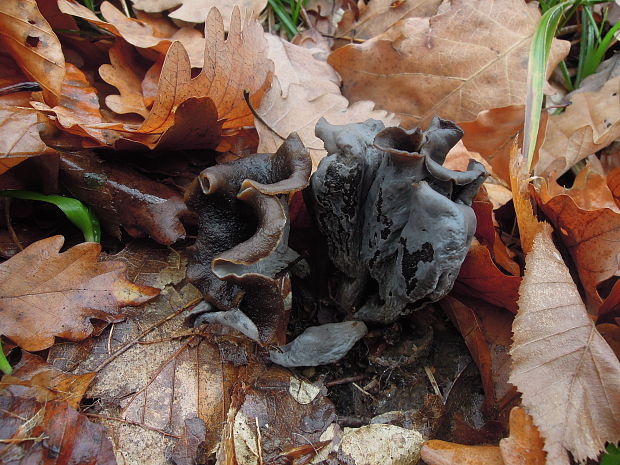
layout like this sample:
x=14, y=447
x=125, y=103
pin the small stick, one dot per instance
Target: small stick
x=259, y=440
x=134, y=423
x=129, y=344
x=433, y=381
x=364, y=391
x=349, y=379
x=9, y=226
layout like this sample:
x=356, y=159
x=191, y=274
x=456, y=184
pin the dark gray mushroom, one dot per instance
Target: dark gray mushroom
x=241, y=255
x=392, y=214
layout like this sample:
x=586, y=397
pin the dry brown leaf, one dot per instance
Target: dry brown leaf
x=471, y=58
x=155, y=6
x=20, y=136
x=611, y=333
x=567, y=373
x=524, y=446
x=435, y=452
x=122, y=73
x=44, y=294
x=480, y=278
x=135, y=31
x=29, y=38
x=590, y=123
x=196, y=11
x=306, y=96
x=378, y=16
x=591, y=236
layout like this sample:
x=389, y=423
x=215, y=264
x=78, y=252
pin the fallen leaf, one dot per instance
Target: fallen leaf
x=196, y=11
x=190, y=447
x=21, y=139
x=591, y=236
x=611, y=333
x=590, y=123
x=480, y=278
x=378, y=16
x=568, y=375
x=487, y=332
x=61, y=292
x=47, y=383
x=455, y=64
x=29, y=39
x=122, y=73
x=155, y=6
x=436, y=452
x=524, y=446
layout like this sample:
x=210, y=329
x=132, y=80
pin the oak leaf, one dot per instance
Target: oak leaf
x=29, y=38
x=302, y=98
x=455, y=64
x=590, y=123
x=568, y=375
x=44, y=294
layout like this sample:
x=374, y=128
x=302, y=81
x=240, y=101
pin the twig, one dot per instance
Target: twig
x=9, y=226
x=363, y=391
x=246, y=96
x=134, y=423
x=129, y=344
x=433, y=381
x=349, y=38
x=17, y=440
x=350, y=379
x=259, y=440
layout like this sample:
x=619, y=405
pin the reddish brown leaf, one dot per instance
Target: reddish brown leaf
x=524, y=446
x=567, y=373
x=480, y=278
x=611, y=333
x=591, y=236
x=472, y=57
x=44, y=294
x=437, y=452
x=29, y=38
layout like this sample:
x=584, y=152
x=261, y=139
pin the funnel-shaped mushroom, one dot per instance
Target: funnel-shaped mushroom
x=241, y=253
x=392, y=214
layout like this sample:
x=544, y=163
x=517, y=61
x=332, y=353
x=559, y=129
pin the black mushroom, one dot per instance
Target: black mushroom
x=240, y=259
x=398, y=224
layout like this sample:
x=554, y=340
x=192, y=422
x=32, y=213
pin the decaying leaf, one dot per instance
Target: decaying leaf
x=20, y=136
x=472, y=57
x=29, y=38
x=568, y=375
x=590, y=123
x=46, y=294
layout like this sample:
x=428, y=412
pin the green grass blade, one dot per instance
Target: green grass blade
x=281, y=12
x=537, y=67
x=78, y=213
x=611, y=456
x=5, y=366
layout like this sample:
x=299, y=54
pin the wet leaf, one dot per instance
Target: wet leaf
x=455, y=64
x=61, y=292
x=29, y=38
x=567, y=373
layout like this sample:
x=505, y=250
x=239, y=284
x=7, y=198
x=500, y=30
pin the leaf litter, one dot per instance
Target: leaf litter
x=159, y=100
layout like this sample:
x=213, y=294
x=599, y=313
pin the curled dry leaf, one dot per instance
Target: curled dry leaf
x=29, y=38
x=455, y=64
x=568, y=375
x=122, y=73
x=196, y=11
x=591, y=236
x=20, y=136
x=46, y=294
x=590, y=123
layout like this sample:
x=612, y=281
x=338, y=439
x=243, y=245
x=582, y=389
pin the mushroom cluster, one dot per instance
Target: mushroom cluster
x=398, y=224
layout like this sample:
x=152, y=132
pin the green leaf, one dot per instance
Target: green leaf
x=283, y=15
x=5, y=366
x=537, y=67
x=611, y=456
x=78, y=213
